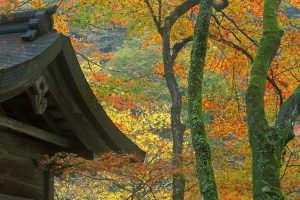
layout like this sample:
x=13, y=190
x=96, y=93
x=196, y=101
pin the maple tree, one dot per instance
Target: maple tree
x=169, y=57
x=267, y=143
x=201, y=146
x=200, y=142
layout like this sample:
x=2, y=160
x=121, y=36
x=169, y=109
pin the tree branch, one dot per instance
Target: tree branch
x=181, y=10
x=95, y=63
x=157, y=23
x=250, y=57
x=178, y=46
x=188, y=4
x=233, y=45
x=289, y=110
x=159, y=11
x=239, y=29
x=225, y=28
x=220, y=6
x=276, y=88
x=291, y=192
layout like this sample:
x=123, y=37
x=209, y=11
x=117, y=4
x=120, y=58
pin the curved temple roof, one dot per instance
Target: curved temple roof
x=31, y=49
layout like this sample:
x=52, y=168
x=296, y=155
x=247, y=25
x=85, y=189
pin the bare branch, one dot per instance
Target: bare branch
x=276, y=88
x=239, y=29
x=157, y=22
x=95, y=63
x=291, y=192
x=233, y=45
x=225, y=28
x=181, y=10
x=159, y=10
x=178, y=46
x=286, y=166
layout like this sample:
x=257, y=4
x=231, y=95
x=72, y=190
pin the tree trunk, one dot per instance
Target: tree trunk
x=169, y=57
x=201, y=146
x=176, y=107
x=266, y=170
x=267, y=143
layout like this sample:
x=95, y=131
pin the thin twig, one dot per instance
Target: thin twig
x=95, y=63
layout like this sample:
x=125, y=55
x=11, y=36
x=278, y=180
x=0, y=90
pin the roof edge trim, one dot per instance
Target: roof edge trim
x=34, y=23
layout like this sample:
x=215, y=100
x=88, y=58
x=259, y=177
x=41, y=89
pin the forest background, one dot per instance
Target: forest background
x=119, y=49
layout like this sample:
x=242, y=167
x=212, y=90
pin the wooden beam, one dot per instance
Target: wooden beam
x=9, y=197
x=34, y=131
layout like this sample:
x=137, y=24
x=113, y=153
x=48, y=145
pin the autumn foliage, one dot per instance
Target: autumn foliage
x=128, y=81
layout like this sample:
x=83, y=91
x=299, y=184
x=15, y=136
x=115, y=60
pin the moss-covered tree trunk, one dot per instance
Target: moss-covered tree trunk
x=267, y=143
x=201, y=146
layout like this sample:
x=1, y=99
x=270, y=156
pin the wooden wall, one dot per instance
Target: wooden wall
x=20, y=176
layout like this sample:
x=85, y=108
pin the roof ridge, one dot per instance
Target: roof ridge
x=34, y=23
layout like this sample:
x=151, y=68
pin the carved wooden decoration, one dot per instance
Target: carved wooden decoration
x=37, y=95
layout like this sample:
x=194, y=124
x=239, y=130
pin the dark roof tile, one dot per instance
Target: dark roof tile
x=14, y=51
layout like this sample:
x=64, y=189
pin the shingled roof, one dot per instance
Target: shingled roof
x=39, y=63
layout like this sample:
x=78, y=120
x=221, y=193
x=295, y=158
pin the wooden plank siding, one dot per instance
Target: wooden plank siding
x=20, y=176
